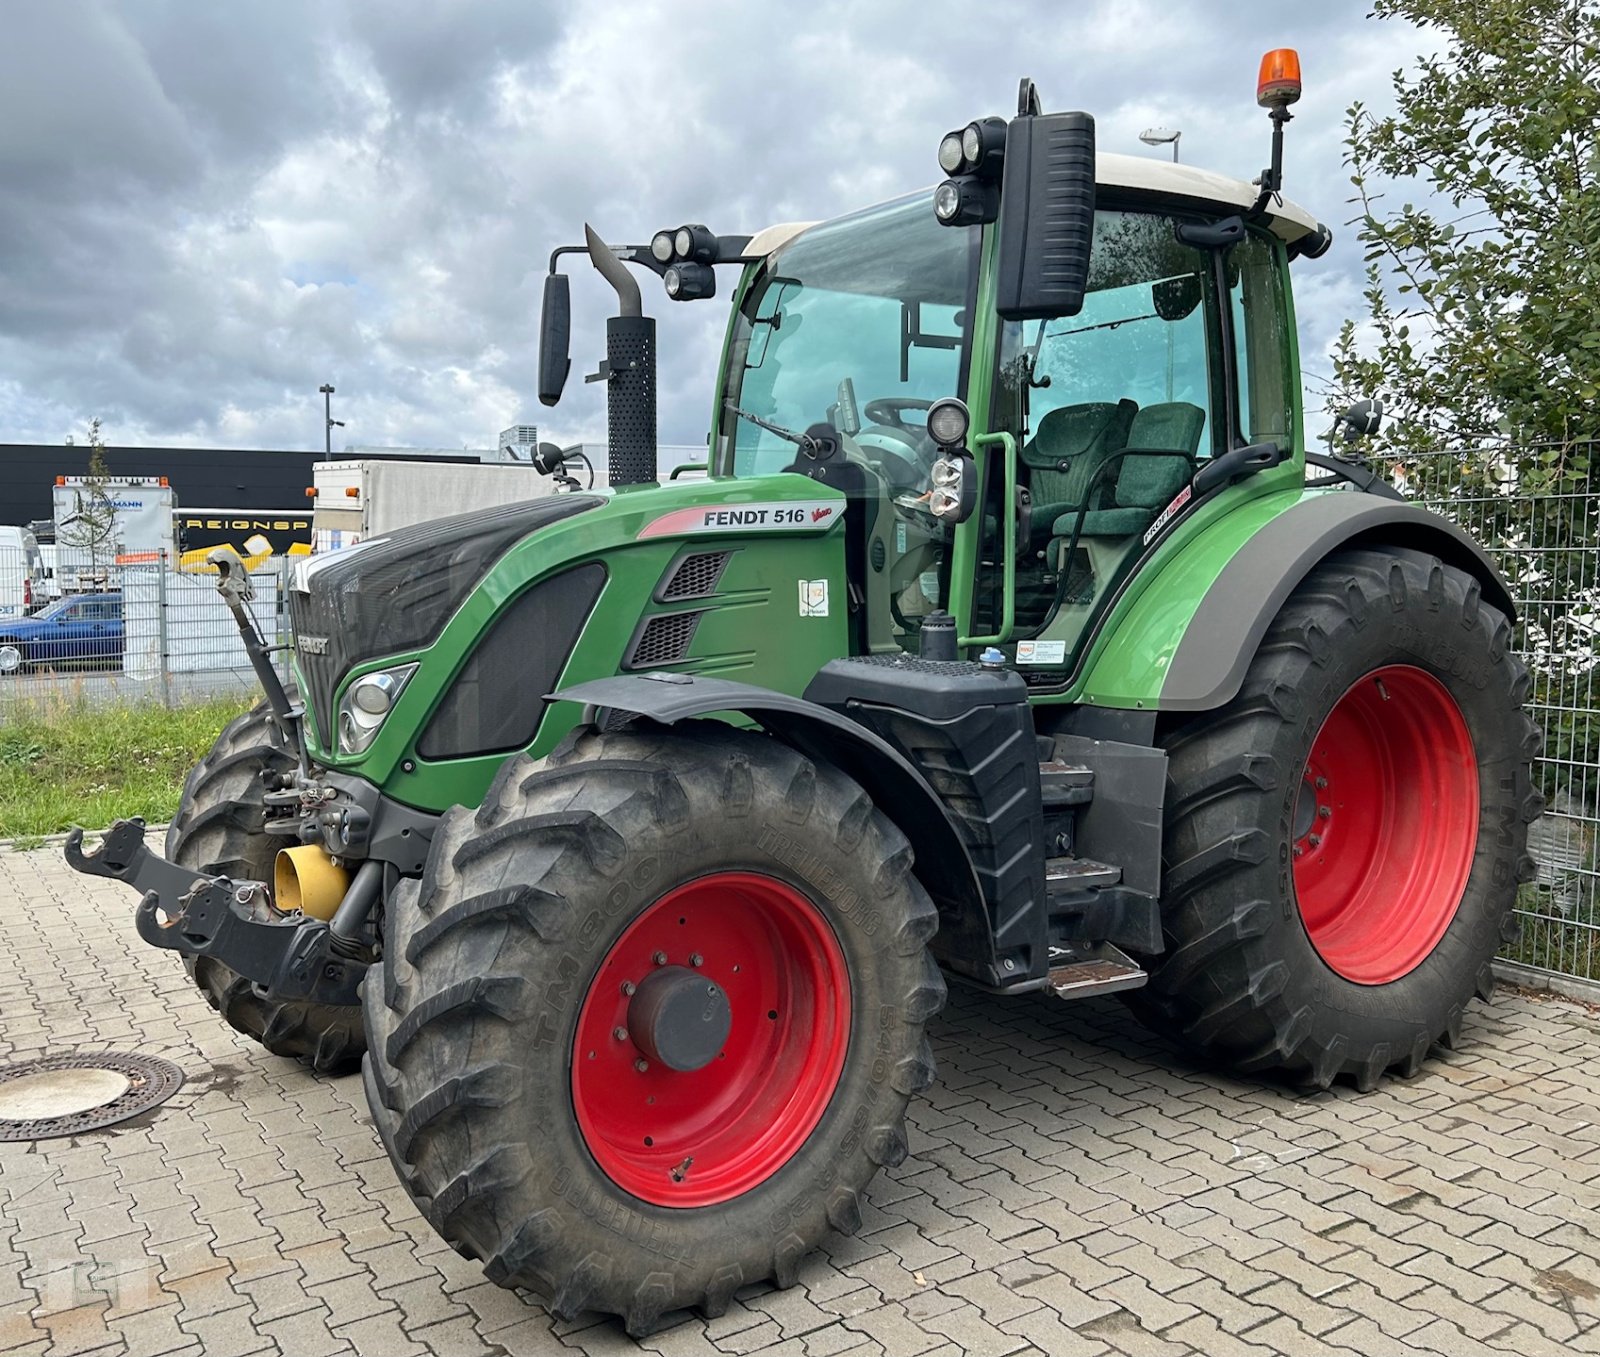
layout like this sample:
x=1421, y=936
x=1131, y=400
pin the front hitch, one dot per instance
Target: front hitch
x=291, y=956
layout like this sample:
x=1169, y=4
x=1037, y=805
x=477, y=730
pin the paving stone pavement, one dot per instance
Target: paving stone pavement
x=1074, y=1187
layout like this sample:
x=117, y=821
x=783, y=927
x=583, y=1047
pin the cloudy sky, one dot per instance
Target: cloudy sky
x=207, y=210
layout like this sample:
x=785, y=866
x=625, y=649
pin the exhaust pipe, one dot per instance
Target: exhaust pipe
x=629, y=373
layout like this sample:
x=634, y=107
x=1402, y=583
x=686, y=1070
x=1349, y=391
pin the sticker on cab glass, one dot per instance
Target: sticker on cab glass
x=1041, y=652
x=784, y=516
x=813, y=598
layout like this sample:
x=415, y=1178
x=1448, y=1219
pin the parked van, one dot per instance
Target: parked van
x=22, y=574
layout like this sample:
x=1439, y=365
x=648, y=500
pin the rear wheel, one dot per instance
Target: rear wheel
x=1345, y=839
x=649, y=1022
x=218, y=828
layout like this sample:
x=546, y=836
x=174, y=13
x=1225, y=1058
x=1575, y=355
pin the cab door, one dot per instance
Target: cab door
x=1101, y=421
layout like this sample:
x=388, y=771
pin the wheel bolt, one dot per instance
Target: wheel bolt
x=1314, y=840
x=1298, y=850
x=660, y=958
x=641, y=1064
x=697, y=960
x=1321, y=783
x=628, y=988
x=620, y=1033
x=1326, y=812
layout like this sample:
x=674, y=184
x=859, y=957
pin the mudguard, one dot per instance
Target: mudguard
x=1210, y=662
x=1173, y=653
x=966, y=934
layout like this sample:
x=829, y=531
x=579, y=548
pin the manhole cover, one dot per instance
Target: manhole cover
x=63, y=1095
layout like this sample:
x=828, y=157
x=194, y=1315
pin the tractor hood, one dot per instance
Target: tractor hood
x=396, y=592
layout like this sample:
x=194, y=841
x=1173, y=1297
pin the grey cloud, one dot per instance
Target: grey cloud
x=207, y=210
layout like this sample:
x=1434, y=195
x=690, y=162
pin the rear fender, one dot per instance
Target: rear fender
x=1185, y=644
x=897, y=788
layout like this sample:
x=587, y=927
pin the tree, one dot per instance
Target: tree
x=1482, y=323
x=92, y=525
x=1483, y=335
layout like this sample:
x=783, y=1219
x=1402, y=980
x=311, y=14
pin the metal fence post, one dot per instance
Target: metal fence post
x=161, y=626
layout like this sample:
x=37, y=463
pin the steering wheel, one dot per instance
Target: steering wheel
x=889, y=409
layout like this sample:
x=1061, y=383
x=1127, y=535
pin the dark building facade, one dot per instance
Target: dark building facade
x=214, y=478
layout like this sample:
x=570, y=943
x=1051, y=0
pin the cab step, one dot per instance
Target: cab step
x=1082, y=972
x=1065, y=784
x=1078, y=874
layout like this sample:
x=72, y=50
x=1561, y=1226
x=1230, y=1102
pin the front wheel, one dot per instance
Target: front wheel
x=649, y=1022
x=1345, y=838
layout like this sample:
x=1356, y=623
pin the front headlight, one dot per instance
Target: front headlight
x=366, y=705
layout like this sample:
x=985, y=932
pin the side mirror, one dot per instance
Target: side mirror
x=555, y=338
x=1361, y=419
x=1175, y=298
x=1046, y=216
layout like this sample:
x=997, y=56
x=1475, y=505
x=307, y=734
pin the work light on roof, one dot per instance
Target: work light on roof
x=951, y=153
x=661, y=246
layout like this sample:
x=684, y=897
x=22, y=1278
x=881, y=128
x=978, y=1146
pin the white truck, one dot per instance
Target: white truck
x=354, y=500
x=107, y=522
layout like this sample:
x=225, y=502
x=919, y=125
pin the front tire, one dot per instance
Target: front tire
x=1345, y=838
x=218, y=828
x=540, y=1121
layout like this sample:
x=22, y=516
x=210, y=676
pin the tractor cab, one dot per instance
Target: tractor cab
x=1089, y=424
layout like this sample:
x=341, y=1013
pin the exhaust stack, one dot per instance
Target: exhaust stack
x=629, y=373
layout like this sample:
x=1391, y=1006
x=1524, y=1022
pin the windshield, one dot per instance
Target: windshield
x=860, y=323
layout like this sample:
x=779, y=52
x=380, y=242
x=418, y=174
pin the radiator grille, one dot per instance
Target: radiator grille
x=696, y=576
x=664, y=640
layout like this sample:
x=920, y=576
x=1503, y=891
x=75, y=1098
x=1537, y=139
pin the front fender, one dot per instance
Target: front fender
x=1187, y=640
x=896, y=787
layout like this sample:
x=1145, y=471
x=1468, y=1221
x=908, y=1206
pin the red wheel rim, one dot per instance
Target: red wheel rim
x=702, y=1136
x=1386, y=825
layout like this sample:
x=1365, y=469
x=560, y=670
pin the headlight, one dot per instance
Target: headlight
x=366, y=704
x=951, y=152
x=954, y=494
x=683, y=242
x=946, y=200
x=971, y=144
x=661, y=246
x=948, y=422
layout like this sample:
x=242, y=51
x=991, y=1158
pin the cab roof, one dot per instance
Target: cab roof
x=1133, y=174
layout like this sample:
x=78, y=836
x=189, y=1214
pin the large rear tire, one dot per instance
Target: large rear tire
x=1345, y=838
x=542, y=1111
x=218, y=828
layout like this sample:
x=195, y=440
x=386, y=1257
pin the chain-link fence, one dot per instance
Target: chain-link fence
x=1547, y=543
x=130, y=630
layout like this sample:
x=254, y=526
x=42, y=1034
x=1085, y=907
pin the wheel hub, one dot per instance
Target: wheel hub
x=679, y=1018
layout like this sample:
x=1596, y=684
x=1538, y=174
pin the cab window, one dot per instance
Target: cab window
x=1113, y=410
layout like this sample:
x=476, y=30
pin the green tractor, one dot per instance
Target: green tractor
x=1014, y=639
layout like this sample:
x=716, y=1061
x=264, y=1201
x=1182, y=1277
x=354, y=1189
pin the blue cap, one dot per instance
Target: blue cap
x=992, y=658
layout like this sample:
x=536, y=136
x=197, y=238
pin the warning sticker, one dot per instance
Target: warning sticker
x=813, y=598
x=1041, y=652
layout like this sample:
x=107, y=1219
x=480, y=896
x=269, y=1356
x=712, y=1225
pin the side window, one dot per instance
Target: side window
x=1140, y=344
x=1261, y=342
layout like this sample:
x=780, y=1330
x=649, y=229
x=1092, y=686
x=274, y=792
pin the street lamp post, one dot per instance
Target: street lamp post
x=328, y=421
x=1162, y=136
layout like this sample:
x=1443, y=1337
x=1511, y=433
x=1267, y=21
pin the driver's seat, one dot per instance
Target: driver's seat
x=1066, y=453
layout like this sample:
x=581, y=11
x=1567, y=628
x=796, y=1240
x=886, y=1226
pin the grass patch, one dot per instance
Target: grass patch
x=83, y=764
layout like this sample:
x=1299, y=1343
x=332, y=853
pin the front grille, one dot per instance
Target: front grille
x=396, y=592
x=695, y=576
x=664, y=640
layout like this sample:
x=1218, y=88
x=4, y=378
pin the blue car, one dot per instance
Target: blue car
x=83, y=629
